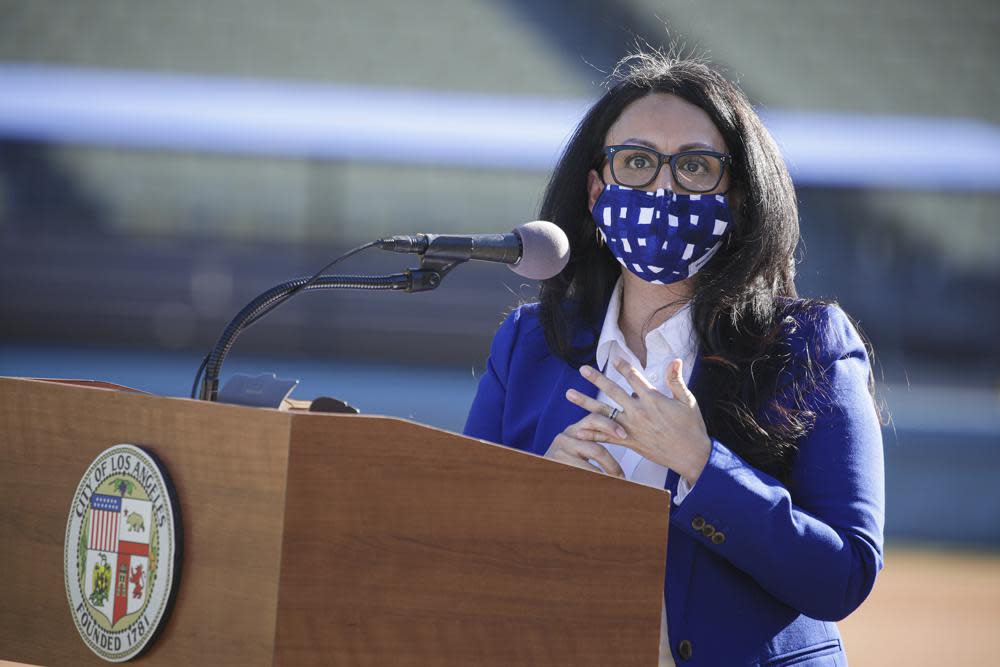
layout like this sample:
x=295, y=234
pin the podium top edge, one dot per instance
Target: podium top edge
x=111, y=387
x=80, y=382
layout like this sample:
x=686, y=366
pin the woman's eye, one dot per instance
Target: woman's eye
x=694, y=166
x=638, y=162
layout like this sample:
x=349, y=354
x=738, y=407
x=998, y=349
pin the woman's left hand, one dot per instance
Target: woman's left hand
x=668, y=431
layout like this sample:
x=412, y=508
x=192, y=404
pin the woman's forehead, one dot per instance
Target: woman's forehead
x=667, y=123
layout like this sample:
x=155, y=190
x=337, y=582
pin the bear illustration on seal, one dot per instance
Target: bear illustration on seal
x=135, y=523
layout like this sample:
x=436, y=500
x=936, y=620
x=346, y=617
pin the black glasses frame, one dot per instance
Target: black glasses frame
x=725, y=158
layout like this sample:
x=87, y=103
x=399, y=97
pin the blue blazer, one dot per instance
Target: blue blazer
x=757, y=572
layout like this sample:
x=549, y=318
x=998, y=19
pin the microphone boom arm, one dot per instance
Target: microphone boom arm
x=429, y=276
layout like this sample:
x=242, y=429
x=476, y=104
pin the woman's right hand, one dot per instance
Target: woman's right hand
x=579, y=444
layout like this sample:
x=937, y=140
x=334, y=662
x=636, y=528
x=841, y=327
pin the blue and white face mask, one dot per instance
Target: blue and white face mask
x=661, y=236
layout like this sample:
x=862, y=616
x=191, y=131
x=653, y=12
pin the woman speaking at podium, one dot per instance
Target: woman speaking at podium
x=673, y=350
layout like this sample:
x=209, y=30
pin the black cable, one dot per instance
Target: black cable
x=277, y=302
x=307, y=283
x=396, y=281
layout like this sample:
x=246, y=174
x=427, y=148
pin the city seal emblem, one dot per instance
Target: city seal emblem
x=122, y=552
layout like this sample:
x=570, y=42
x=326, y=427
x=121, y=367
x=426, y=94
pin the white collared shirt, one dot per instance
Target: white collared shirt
x=671, y=340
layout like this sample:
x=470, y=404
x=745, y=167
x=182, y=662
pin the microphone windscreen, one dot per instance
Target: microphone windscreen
x=544, y=250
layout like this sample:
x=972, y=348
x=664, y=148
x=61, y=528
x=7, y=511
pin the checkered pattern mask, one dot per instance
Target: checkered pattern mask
x=661, y=236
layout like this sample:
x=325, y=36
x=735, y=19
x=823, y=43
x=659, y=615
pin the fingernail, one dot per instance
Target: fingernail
x=586, y=370
x=621, y=432
x=571, y=394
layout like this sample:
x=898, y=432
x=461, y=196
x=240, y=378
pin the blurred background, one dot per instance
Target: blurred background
x=163, y=163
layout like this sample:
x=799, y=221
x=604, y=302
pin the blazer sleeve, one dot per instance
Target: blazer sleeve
x=820, y=549
x=485, y=420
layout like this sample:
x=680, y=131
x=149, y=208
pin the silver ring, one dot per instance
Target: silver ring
x=614, y=413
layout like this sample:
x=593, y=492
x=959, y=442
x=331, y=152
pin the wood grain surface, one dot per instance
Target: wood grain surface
x=393, y=543
x=407, y=545
x=228, y=465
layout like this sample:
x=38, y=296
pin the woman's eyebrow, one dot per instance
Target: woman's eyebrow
x=634, y=141
x=695, y=145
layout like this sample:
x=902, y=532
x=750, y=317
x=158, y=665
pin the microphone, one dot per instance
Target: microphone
x=536, y=250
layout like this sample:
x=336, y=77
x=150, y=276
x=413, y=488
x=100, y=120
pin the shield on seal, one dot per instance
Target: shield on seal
x=121, y=555
x=116, y=574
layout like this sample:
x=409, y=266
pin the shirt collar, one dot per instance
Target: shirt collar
x=675, y=333
x=610, y=332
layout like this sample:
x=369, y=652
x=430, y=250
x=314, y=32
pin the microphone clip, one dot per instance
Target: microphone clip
x=436, y=260
x=431, y=272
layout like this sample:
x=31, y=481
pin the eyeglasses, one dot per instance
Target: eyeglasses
x=695, y=171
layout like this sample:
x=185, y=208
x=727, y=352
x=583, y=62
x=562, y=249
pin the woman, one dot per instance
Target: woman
x=673, y=351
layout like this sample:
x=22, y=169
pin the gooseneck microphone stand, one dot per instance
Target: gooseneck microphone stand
x=428, y=276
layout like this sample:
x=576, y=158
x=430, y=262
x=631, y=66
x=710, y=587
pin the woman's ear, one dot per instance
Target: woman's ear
x=595, y=186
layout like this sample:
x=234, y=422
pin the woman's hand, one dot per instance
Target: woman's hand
x=668, y=431
x=578, y=444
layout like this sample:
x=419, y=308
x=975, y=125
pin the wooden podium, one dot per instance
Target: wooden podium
x=335, y=539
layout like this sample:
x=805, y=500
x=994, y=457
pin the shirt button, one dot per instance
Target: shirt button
x=653, y=377
x=685, y=649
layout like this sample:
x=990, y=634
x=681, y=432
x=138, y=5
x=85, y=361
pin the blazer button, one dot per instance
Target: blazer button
x=719, y=537
x=708, y=530
x=684, y=649
x=698, y=523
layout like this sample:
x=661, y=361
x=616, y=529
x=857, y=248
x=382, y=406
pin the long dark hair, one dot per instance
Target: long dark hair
x=745, y=305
